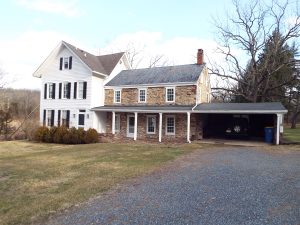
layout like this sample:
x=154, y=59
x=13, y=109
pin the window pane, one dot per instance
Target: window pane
x=80, y=90
x=117, y=96
x=170, y=125
x=49, y=117
x=142, y=95
x=50, y=91
x=66, y=63
x=65, y=95
x=170, y=94
x=151, y=124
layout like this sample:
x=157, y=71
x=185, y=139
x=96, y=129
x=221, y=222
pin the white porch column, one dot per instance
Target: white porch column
x=135, y=125
x=160, y=127
x=278, y=129
x=188, y=130
x=113, y=122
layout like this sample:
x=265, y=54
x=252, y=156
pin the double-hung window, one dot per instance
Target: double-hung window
x=80, y=90
x=51, y=90
x=66, y=90
x=151, y=124
x=170, y=94
x=64, y=118
x=117, y=96
x=170, y=125
x=66, y=62
x=142, y=95
x=50, y=119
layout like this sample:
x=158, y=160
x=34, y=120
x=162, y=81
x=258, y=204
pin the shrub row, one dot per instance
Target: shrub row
x=63, y=135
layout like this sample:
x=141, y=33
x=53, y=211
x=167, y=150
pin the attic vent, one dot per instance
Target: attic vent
x=84, y=54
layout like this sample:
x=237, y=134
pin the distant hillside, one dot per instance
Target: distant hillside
x=21, y=101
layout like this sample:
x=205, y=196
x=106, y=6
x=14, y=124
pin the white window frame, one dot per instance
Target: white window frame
x=66, y=61
x=78, y=89
x=49, y=117
x=147, y=124
x=168, y=88
x=117, y=123
x=64, y=90
x=48, y=94
x=139, y=95
x=166, y=125
x=116, y=90
x=62, y=116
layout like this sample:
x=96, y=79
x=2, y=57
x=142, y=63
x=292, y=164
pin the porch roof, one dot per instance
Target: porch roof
x=145, y=108
x=246, y=108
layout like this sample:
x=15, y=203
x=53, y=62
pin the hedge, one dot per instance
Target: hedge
x=63, y=135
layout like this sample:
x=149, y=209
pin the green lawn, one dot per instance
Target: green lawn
x=292, y=134
x=37, y=180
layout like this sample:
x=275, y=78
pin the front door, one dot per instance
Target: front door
x=130, y=126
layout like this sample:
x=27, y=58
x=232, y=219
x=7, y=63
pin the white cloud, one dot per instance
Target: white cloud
x=21, y=56
x=179, y=50
x=66, y=8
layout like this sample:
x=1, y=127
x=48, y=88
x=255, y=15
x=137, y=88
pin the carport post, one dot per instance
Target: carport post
x=277, y=129
x=188, y=127
x=160, y=127
x=113, y=122
x=135, y=125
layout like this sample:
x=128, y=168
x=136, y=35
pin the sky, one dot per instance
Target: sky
x=31, y=29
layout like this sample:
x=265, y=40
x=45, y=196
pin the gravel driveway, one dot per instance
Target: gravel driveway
x=237, y=185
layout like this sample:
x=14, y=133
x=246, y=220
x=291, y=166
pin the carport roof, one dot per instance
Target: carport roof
x=261, y=108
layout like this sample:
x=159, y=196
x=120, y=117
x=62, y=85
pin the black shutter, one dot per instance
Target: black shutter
x=68, y=118
x=53, y=91
x=70, y=62
x=59, y=91
x=58, y=118
x=52, y=118
x=75, y=90
x=45, y=91
x=84, y=89
x=60, y=63
x=68, y=90
x=44, y=118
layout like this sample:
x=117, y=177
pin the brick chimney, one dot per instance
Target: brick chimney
x=200, y=57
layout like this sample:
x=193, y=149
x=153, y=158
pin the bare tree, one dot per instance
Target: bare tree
x=242, y=41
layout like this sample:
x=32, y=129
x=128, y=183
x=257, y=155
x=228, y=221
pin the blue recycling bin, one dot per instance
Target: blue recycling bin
x=269, y=134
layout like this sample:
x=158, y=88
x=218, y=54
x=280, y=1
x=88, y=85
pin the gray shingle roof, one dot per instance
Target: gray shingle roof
x=103, y=64
x=243, y=107
x=158, y=75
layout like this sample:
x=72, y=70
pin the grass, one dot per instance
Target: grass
x=37, y=180
x=292, y=134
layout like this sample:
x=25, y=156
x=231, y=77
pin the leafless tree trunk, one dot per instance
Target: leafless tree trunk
x=243, y=38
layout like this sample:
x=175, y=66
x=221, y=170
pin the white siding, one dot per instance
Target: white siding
x=119, y=67
x=79, y=72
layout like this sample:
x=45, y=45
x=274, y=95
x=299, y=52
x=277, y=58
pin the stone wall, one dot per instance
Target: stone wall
x=184, y=95
x=180, y=127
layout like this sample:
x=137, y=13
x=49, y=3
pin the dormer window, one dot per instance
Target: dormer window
x=65, y=63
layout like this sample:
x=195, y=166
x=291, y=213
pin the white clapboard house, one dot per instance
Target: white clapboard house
x=73, y=82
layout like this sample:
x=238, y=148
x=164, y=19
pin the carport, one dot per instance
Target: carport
x=217, y=119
